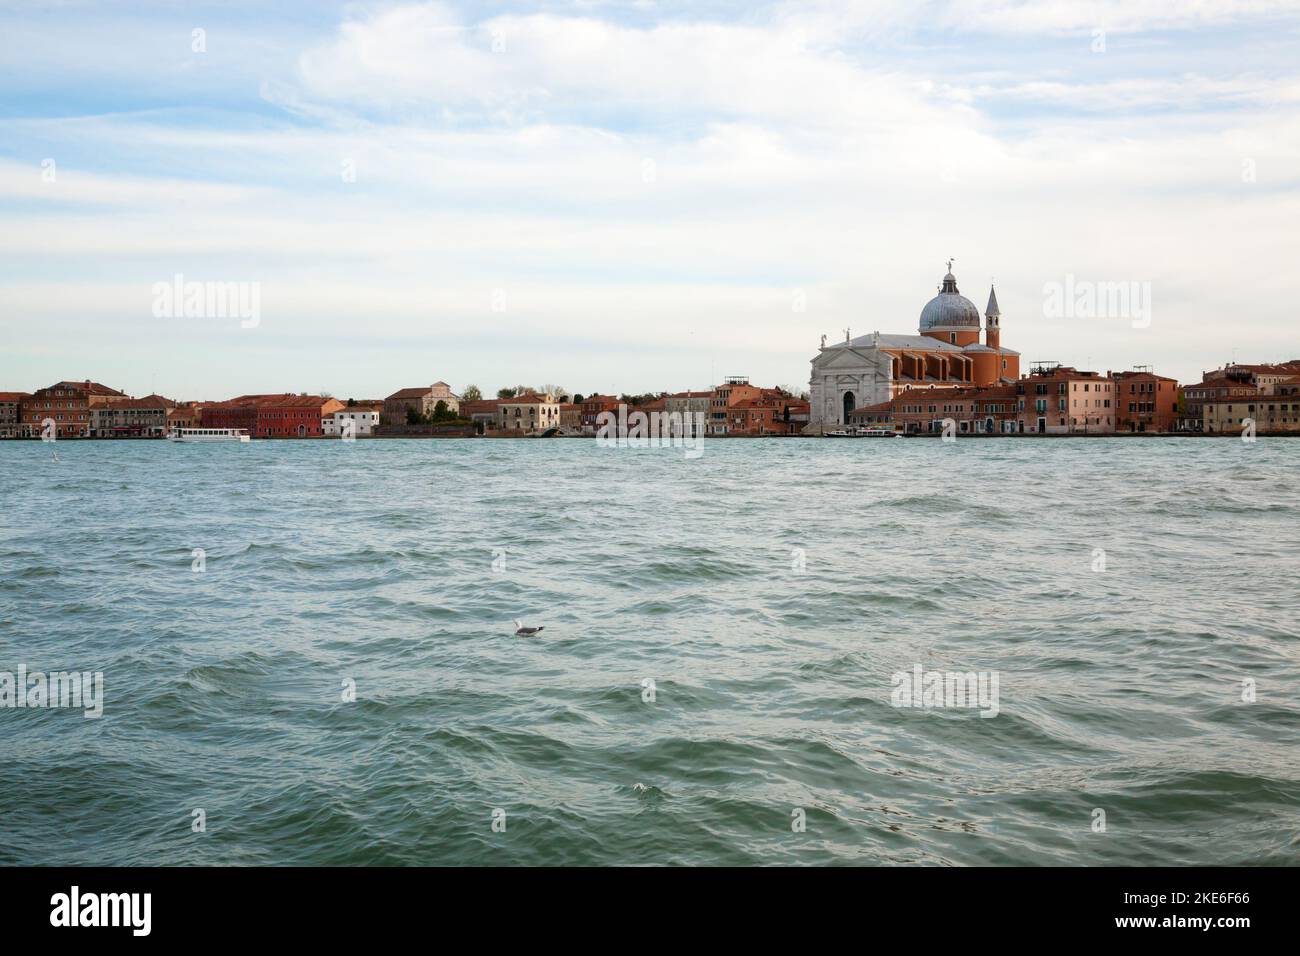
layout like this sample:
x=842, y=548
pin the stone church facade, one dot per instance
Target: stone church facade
x=946, y=353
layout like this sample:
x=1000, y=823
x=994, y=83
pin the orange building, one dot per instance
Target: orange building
x=1060, y=400
x=769, y=415
x=1145, y=402
x=724, y=417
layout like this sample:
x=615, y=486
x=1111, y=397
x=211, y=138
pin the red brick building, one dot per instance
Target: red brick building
x=68, y=405
x=992, y=410
x=272, y=416
x=11, y=413
x=592, y=406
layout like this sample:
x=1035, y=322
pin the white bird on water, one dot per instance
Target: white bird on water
x=521, y=631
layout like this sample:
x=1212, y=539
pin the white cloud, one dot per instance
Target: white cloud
x=782, y=155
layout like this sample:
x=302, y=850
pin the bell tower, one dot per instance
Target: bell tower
x=992, y=322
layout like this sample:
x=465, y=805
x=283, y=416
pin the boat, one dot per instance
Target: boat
x=208, y=434
x=862, y=431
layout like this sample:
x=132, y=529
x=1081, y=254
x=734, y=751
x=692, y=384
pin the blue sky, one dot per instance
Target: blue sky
x=633, y=196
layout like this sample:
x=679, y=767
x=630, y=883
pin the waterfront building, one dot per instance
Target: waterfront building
x=657, y=405
x=422, y=400
x=1196, y=397
x=272, y=416
x=68, y=405
x=1235, y=381
x=571, y=417
x=184, y=415
x=1274, y=410
x=593, y=406
x=11, y=413
x=238, y=413
x=737, y=407
x=734, y=389
x=1145, y=401
x=1060, y=400
x=768, y=415
x=482, y=413
x=364, y=419
x=946, y=353
x=528, y=413
x=131, y=418
x=689, y=404
x=991, y=410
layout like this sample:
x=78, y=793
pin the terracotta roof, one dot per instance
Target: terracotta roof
x=691, y=395
x=409, y=393
x=13, y=396
x=879, y=407
x=283, y=400
x=149, y=401
x=480, y=406
x=94, y=388
x=527, y=400
x=1137, y=374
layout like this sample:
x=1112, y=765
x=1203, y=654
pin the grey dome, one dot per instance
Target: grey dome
x=949, y=309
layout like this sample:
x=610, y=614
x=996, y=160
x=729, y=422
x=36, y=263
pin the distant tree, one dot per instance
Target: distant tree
x=577, y=398
x=441, y=412
x=637, y=399
x=352, y=403
x=506, y=393
x=412, y=416
x=472, y=394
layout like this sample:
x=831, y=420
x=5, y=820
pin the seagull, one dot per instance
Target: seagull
x=521, y=631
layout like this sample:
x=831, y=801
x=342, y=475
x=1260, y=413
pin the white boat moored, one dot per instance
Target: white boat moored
x=208, y=434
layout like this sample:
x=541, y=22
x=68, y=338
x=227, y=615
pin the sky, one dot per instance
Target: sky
x=633, y=197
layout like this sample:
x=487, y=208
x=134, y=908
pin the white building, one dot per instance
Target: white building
x=362, y=421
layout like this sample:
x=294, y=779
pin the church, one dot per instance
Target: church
x=947, y=353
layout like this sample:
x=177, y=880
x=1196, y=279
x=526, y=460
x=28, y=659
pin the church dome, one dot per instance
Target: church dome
x=949, y=309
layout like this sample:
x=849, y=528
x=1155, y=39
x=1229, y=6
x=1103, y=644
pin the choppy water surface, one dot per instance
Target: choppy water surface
x=373, y=561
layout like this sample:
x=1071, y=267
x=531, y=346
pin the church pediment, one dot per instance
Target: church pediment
x=847, y=358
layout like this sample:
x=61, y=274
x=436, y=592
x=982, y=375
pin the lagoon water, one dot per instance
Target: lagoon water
x=769, y=589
